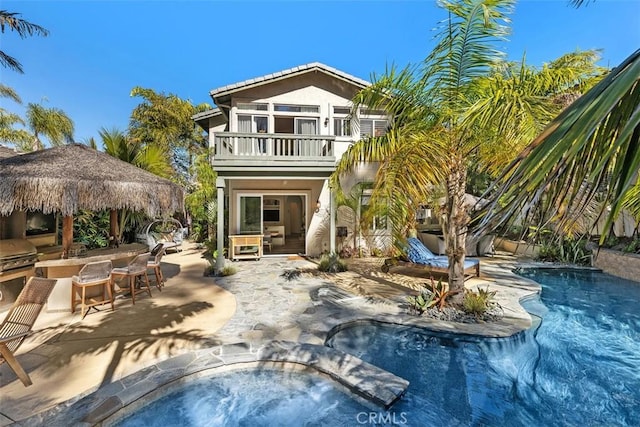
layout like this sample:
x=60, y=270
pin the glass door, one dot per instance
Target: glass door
x=305, y=127
x=250, y=214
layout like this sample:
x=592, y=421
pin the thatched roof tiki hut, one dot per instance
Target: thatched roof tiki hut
x=69, y=178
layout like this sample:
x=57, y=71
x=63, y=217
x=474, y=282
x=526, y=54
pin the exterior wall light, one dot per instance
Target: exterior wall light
x=326, y=122
x=318, y=206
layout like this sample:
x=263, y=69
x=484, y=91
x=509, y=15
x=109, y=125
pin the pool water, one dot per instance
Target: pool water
x=251, y=398
x=578, y=366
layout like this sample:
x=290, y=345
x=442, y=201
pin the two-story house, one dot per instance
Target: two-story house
x=275, y=141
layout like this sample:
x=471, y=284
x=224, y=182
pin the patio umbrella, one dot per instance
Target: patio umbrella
x=72, y=177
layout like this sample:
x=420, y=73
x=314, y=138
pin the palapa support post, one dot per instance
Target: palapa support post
x=113, y=228
x=67, y=235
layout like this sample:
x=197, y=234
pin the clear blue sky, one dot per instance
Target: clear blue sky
x=97, y=51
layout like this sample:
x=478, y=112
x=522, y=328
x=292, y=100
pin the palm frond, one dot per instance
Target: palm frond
x=7, y=92
x=591, y=144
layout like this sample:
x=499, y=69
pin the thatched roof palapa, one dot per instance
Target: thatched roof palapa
x=72, y=177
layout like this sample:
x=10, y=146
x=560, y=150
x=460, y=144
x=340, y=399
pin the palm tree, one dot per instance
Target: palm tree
x=51, y=123
x=592, y=149
x=443, y=119
x=24, y=29
x=150, y=158
x=20, y=138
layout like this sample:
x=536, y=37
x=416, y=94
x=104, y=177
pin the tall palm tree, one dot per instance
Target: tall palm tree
x=443, y=118
x=428, y=143
x=52, y=123
x=24, y=28
x=592, y=149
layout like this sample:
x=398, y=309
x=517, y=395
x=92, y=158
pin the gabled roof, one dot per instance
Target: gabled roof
x=313, y=66
x=206, y=114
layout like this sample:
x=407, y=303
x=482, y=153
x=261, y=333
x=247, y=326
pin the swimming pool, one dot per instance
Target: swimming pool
x=579, y=365
x=258, y=397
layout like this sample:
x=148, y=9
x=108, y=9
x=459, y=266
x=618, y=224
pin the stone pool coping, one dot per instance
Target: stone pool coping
x=364, y=380
x=94, y=408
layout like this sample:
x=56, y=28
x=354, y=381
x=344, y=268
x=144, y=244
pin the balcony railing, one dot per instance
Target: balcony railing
x=232, y=146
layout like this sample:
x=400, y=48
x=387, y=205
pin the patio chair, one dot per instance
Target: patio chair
x=132, y=272
x=19, y=321
x=93, y=286
x=154, y=263
x=418, y=255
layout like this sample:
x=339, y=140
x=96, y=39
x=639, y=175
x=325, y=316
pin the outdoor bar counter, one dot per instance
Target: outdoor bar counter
x=64, y=269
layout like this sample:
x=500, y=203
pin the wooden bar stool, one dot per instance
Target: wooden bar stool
x=93, y=286
x=154, y=263
x=136, y=269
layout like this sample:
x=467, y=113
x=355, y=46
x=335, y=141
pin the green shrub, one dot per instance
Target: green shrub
x=567, y=250
x=332, y=263
x=228, y=270
x=478, y=302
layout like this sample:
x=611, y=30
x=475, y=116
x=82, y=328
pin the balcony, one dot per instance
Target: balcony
x=268, y=153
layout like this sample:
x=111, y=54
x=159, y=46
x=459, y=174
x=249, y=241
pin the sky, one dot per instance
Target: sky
x=97, y=51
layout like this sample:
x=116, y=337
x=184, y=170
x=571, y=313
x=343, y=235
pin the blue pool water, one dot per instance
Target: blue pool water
x=579, y=365
x=252, y=398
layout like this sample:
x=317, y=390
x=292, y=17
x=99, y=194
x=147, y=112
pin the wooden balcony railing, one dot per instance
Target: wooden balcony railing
x=233, y=146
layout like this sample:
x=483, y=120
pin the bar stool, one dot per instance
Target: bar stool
x=93, y=275
x=136, y=269
x=154, y=263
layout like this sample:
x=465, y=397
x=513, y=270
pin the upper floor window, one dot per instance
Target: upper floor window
x=372, y=127
x=296, y=108
x=255, y=106
x=252, y=124
x=341, y=121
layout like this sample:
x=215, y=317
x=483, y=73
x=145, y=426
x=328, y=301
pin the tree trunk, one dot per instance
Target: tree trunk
x=455, y=222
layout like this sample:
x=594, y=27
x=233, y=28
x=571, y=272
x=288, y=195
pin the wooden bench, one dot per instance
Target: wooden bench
x=246, y=246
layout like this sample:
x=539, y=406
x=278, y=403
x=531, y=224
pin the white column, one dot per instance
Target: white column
x=220, y=231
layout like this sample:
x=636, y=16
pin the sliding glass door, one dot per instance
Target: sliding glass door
x=250, y=214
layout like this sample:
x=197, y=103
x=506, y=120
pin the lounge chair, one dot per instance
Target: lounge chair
x=417, y=255
x=19, y=321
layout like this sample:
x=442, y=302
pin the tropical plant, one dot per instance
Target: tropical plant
x=591, y=150
x=150, y=158
x=201, y=200
x=565, y=249
x=51, y=123
x=434, y=294
x=13, y=22
x=477, y=303
x=440, y=125
x=19, y=138
x=89, y=228
x=331, y=263
x=164, y=121
x=421, y=302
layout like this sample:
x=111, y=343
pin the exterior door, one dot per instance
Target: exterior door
x=250, y=214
